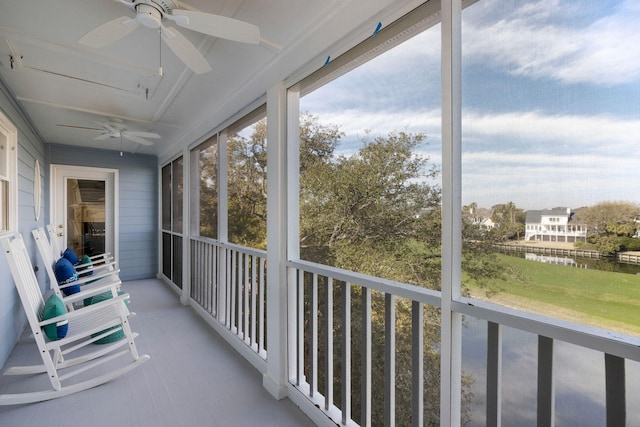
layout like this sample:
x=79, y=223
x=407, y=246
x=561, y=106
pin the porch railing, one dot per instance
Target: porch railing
x=365, y=350
x=228, y=282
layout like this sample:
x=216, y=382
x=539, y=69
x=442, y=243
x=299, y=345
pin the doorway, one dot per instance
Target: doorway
x=83, y=209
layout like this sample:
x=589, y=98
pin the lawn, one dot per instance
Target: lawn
x=593, y=297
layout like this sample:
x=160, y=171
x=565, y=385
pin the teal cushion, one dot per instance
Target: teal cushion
x=117, y=335
x=65, y=274
x=87, y=265
x=54, y=307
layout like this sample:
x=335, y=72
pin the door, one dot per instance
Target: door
x=83, y=209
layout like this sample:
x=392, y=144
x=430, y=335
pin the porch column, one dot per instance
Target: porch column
x=185, y=294
x=451, y=328
x=275, y=378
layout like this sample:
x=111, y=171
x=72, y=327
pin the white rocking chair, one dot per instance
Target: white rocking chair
x=104, y=278
x=86, y=325
x=57, y=249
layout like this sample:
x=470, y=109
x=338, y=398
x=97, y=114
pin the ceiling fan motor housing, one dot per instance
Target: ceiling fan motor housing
x=148, y=16
x=150, y=13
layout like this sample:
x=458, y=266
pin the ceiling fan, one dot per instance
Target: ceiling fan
x=152, y=13
x=115, y=129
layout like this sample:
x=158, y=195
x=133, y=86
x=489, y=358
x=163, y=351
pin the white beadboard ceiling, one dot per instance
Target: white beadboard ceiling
x=58, y=81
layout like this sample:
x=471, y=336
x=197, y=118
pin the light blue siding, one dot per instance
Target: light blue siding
x=138, y=200
x=30, y=148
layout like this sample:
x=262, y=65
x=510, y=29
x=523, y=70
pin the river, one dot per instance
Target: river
x=605, y=264
x=579, y=380
x=579, y=372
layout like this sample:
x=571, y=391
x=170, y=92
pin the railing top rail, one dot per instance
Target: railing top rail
x=238, y=248
x=606, y=341
x=412, y=292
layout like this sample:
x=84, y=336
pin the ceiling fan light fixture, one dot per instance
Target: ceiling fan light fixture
x=149, y=16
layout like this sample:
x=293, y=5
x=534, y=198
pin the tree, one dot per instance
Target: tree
x=375, y=212
x=208, y=158
x=509, y=222
x=378, y=212
x=609, y=225
x=247, y=187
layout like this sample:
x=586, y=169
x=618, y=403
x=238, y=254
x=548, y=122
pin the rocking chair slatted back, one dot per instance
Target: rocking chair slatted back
x=20, y=266
x=103, y=275
x=47, y=258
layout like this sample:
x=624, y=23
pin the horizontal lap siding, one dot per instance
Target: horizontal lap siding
x=30, y=149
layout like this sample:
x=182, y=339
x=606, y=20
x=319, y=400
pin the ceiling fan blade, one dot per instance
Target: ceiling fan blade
x=137, y=139
x=110, y=32
x=103, y=136
x=141, y=134
x=217, y=26
x=185, y=51
x=77, y=127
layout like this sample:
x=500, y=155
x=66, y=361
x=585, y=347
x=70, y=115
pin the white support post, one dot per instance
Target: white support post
x=451, y=327
x=223, y=281
x=185, y=295
x=275, y=378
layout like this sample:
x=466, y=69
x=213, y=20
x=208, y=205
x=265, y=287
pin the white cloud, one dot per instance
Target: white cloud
x=599, y=133
x=530, y=42
x=360, y=122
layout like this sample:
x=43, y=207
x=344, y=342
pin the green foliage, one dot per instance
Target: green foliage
x=509, y=222
x=247, y=187
x=208, y=192
x=610, y=243
x=366, y=212
x=609, y=219
x=376, y=212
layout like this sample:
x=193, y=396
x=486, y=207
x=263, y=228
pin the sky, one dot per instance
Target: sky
x=550, y=94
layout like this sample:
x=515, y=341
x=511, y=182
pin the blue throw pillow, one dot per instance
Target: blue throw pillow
x=54, y=307
x=65, y=274
x=70, y=255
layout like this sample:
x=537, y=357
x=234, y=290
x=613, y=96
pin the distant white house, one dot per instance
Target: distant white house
x=481, y=218
x=553, y=225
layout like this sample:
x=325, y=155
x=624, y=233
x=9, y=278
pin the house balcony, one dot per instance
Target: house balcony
x=213, y=357
x=242, y=337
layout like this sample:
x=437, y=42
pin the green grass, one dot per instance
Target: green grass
x=593, y=297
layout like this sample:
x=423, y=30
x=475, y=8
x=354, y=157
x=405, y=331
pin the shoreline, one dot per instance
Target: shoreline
x=558, y=245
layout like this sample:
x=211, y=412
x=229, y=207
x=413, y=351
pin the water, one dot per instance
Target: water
x=579, y=380
x=606, y=264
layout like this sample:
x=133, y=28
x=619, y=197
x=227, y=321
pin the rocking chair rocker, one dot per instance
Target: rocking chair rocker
x=85, y=326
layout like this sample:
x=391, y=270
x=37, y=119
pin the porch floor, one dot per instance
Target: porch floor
x=194, y=378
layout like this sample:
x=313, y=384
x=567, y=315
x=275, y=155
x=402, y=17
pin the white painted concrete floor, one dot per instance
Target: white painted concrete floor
x=194, y=378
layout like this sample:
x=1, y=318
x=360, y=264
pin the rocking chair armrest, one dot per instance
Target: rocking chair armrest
x=82, y=268
x=106, y=255
x=90, y=279
x=94, y=290
x=85, y=310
